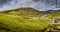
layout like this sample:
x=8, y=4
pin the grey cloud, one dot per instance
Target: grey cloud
x=2, y=2
x=41, y=5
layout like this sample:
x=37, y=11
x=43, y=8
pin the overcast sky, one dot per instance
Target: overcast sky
x=41, y=5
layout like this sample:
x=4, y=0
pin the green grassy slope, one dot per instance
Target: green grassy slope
x=19, y=24
x=22, y=21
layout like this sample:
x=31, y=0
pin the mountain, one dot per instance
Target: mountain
x=27, y=20
x=34, y=11
x=23, y=20
x=27, y=11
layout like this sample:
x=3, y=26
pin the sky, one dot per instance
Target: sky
x=41, y=5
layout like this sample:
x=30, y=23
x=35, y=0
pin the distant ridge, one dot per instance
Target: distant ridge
x=53, y=11
x=34, y=10
x=31, y=9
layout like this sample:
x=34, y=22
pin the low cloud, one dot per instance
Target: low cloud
x=41, y=5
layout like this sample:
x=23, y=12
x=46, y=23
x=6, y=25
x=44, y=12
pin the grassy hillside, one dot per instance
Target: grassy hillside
x=20, y=24
x=24, y=21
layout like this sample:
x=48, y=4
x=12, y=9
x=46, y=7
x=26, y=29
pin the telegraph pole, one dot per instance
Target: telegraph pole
x=56, y=3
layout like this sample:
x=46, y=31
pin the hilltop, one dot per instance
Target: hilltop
x=26, y=12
